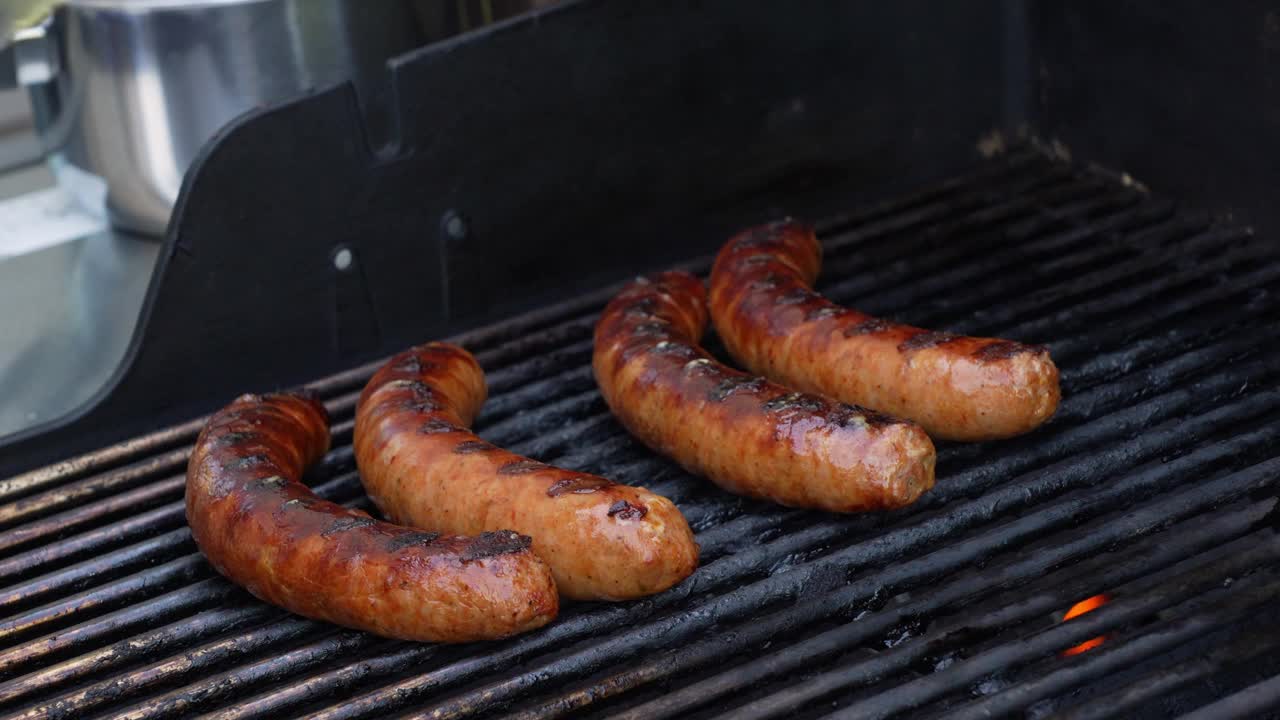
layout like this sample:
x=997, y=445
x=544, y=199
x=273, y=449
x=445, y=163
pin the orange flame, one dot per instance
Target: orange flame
x=1080, y=608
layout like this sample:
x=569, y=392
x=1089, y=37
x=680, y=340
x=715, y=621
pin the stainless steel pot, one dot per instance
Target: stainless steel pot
x=125, y=92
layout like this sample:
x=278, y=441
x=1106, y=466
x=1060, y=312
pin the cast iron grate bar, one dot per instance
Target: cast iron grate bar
x=1253, y=702
x=1225, y=655
x=1155, y=462
x=968, y=589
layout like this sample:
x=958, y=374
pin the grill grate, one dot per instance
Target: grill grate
x=1154, y=484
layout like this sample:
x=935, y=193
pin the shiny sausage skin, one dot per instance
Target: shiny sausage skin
x=956, y=387
x=268, y=532
x=746, y=434
x=422, y=466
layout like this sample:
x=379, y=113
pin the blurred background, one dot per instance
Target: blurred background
x=103, y=106
x=18, y=143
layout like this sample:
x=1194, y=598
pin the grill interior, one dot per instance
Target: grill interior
x=1155, y=484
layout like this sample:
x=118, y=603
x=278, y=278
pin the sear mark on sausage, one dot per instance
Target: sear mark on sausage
x=736, y=384
x=1005, y=349
x=667, y=347
x=501, y=542
x=468, y=447
x=926, y=340
x=794, y=297
x=234, y=438
x=652, y=329
x=437, y=426
x=768, y=282
x=420, y=406
x=701, y=365
x=868, y=327
x=275, y=482
x=844, y=415
x=793, y=402
x=422, y=392
x=251, y=461
x=301, y=503
x=823, y=311
x=578, y=485
x=641, y=308
x=633, y=349
x=522, y=467
x=348, y=523
x=234, y=416
x=626, y=511
x=410, y=539
x=878, y=419
x=753, y=260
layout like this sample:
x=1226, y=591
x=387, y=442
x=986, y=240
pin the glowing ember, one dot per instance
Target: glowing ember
x=1080, y=608
x=1085, y=606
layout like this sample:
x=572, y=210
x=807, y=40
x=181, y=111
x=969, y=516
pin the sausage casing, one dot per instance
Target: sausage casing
x=266, y=531
x=422, y=466
x=956, y=387
x=746, y=434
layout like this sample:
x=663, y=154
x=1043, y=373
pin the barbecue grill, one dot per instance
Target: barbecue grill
x=1145, y=511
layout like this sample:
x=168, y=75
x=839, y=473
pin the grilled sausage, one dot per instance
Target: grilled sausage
x=748, y=435
x=266, y=531
x=956, y=387
x=422, y=466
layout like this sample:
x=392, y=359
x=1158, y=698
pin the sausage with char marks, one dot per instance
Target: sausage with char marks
x=263, y=529
x=957, y=387
x=422, y=466
x=746, y=434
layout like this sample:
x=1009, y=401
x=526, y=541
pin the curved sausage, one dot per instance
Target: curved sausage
x=956, y=387
x=746, y=434
x=268, y=532
x=422, y=466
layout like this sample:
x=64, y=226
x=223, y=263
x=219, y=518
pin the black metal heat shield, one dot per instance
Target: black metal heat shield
x=529, y=161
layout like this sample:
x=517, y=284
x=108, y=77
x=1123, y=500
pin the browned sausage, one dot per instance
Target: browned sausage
x=422, y=465
x=748, y=435
x=956, y=387
x=264, y=530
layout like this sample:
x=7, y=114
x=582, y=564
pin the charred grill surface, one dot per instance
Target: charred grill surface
x=1154, y=485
